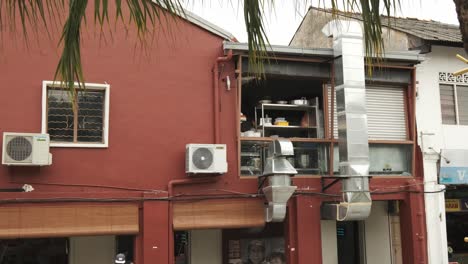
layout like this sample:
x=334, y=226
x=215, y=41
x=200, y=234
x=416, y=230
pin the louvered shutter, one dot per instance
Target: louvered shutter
x=462, y=100
x=447, y=104
x=335, y=117
x=385, y=113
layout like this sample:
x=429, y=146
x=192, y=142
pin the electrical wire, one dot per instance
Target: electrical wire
x=92, y=186
x=197, y=196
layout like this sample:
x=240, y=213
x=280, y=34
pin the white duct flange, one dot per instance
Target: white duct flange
x=277, y=197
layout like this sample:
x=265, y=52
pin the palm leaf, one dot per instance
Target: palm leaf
x=146, y=15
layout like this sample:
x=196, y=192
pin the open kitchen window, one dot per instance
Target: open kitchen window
x=288, y=106
x=85, y=127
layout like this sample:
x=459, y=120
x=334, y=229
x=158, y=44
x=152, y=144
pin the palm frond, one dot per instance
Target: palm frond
x=145, y=15
x=371, y=23
x=256, y=34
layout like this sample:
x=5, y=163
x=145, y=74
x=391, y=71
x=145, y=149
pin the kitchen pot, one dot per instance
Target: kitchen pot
x=265, y=100
x=256, y=163
x=265, y=121
x=302, y=101
x=303, y=161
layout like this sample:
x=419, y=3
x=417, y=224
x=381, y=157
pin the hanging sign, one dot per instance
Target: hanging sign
x=452, y=205
x=453, y=166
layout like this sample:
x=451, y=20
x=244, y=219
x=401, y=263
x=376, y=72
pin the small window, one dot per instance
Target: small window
x=86, y=127
x=454, y=104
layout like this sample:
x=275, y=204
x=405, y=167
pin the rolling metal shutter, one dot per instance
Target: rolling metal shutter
x=385, y=113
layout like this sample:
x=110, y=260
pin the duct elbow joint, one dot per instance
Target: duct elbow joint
x=346, y=211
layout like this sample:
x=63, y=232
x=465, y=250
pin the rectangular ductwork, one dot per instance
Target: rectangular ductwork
x=352, y=122
x=278, y=172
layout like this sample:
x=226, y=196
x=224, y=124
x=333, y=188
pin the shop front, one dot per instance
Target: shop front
x=454, y=173
x=67, y=233
x=456, y=205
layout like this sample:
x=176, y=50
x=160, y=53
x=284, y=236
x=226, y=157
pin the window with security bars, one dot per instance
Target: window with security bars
x=87, y=126
x=454, y=104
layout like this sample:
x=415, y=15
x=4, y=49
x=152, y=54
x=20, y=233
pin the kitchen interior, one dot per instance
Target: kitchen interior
x=283, y=106
x=293, y=107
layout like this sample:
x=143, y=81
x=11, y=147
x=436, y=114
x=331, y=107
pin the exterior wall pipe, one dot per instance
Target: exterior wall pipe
x=216, y=102
x=170, y=192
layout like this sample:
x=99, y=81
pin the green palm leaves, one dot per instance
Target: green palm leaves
x=145, y=16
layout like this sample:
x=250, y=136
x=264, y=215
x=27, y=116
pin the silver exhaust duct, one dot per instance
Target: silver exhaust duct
x=277, y=173
x=352, y=122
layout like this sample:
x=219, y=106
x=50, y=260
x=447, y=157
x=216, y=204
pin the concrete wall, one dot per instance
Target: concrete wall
x=329, y=242
x=206, y=246
x=92, y=250
x=154, y=95
x=377, y=235
x=309, y=34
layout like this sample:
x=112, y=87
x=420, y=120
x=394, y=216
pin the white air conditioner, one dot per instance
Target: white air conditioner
x=26, y=149
x=205, y=158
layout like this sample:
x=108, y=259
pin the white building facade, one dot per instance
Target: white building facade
x=441, y=112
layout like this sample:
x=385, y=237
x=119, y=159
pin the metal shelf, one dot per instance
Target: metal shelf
x=287, y=127
x=286, y=107
x=312, y=110
x=250, y=154
x=307, y=169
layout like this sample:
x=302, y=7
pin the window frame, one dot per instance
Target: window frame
x=409, y=101
x=455, y=99
x=94, y=86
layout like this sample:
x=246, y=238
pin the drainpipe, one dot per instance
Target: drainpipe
x=216, y=103
x=352, y=122
x=170, y=192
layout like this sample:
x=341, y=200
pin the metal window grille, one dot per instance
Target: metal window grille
x=84, y=125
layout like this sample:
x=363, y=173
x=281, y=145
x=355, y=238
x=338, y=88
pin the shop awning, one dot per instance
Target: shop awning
x=29, y=221
x=227, y=213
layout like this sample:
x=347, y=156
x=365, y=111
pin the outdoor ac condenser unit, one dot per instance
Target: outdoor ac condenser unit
x=205, y=158
x=26, y=149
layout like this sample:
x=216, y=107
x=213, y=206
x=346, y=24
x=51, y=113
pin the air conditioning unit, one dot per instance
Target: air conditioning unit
x=26, y=149
x=205, y=158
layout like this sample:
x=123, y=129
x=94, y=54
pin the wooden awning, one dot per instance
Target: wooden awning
x=223, y=213
x=29, y=221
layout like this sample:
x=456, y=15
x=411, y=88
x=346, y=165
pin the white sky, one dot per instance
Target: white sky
x=286, y=16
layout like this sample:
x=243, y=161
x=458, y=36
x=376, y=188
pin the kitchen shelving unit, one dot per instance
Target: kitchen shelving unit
x=311, y=131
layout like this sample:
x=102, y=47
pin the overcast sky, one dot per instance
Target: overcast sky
x=284, y=19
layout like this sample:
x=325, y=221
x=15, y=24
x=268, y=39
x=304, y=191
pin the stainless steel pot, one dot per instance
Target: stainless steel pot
x=302, y=101
x=303, y=161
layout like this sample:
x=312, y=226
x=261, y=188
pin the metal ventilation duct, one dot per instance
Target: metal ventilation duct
x=352, y=122
x=278, y=171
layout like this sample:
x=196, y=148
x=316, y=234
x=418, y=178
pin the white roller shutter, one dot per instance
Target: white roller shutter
x=385, y=113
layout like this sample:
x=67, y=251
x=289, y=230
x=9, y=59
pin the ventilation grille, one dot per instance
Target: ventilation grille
x=19, y=149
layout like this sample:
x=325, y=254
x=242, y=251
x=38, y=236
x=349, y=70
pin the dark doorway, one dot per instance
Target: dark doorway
x=34, y=251
x=350, y=242
x=126, y=245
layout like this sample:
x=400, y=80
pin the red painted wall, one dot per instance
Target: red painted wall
x=160, y=100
